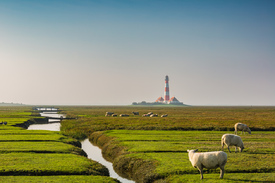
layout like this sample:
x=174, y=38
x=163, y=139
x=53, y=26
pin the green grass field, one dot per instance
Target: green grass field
x=57, y=179
x=35, y=156
x=228, y=178
x=168, y=150
x=146, y=149
x=38, y=147
x=17, y=163
x=159, y=145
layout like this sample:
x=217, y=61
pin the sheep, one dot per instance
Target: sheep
x=114, y=115
x=154, y=115
x=231, y=139
x=135, y=113
x=209, y=160
x=164, y=115
x=109, y=113
x=145, y=115
x=4, y=123
x=124, y=115
x=241, y=127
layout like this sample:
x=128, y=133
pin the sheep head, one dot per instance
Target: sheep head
x=241, y=148
x=195, y=150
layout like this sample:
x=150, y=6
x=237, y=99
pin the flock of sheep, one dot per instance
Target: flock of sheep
x=215, y=159
x=209, y=160
x=150, y=114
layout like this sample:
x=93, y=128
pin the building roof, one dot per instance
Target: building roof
x=173, y=99
x=160, y=99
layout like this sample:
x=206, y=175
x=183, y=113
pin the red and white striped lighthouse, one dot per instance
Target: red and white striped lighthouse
x=166, y=90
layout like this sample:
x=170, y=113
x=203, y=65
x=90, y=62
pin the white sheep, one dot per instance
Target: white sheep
x=242, y=127
x=109, y=113
x=209, y=160
x=232, y=140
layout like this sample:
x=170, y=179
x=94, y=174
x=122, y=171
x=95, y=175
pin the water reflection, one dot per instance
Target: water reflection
x=49, y=126
x=53, y=115
x=94, y=153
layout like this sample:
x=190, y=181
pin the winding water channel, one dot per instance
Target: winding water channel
x=92, y=151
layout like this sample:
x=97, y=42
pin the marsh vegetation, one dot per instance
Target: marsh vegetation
x=26, y=155
x=141, y=148
x=154, y=149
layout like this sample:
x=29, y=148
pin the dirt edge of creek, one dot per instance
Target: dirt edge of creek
x=139, y=170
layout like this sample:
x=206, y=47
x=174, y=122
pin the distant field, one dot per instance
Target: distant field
x=90, y=119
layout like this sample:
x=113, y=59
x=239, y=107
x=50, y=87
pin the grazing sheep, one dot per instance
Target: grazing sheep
x=153, y=115
x=145, y=115
x=241, y=127
x=5, y=123
x=164, y=115
x=109, y=113
x=114, y=115
x=135, y=113
x=149, y=113
x=232, y=140
x=209, y=160
x=124, y=115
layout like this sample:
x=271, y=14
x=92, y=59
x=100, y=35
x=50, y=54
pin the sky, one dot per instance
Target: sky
x=115, y=52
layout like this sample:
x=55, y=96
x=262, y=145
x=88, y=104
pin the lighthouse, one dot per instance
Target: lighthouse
x=163, y=101
x=166, y=90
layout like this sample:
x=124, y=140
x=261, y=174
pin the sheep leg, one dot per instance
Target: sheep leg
x=228, y=149
x=235, y=149
x=201, y=171
x=221, y=172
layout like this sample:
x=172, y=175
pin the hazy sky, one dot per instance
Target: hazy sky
x=100, y=52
